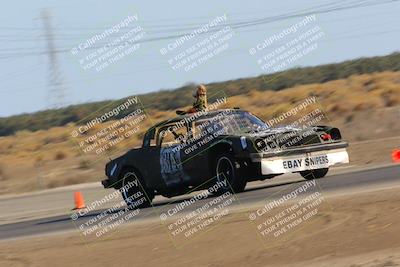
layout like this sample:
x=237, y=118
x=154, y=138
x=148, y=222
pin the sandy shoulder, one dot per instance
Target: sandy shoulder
x=358, y=230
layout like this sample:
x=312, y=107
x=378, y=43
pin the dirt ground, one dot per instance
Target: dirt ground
x=359, y=229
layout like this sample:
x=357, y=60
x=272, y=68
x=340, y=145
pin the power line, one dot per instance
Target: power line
x=229, y=54
x=324, y=8
x=57, y=89
x=75, y=37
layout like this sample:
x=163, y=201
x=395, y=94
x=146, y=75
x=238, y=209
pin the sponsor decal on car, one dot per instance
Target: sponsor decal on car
x=318, y=161
x=302, y=162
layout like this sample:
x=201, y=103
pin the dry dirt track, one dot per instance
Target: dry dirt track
x=360, y=229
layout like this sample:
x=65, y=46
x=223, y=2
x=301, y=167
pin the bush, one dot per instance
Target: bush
x=60, y=155
x=84, y=164
x=3, y=175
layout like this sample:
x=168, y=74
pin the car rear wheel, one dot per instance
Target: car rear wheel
x=134, y=191
x=314, y=174
x=227, y=175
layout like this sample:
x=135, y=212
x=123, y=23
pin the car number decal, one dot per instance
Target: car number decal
x=171, y=166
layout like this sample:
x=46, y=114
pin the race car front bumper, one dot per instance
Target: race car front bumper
x=301, y=159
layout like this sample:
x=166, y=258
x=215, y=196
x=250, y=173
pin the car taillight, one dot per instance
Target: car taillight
x=326, y=137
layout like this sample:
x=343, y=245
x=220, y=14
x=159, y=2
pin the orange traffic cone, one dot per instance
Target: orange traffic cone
x=79, y=202
x=396, y=155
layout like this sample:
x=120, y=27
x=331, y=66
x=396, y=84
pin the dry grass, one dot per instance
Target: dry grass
x=3, y=173
x=364, y=106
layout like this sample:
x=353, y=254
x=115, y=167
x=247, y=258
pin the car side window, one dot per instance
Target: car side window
x=200, y=128
x=172, y=134
x=149, y=139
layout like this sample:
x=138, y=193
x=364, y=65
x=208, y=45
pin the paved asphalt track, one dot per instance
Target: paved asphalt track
x=256, y=195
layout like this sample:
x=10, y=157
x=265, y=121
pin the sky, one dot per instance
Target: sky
x=34, y=79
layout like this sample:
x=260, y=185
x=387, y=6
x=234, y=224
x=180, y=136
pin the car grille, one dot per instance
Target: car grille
x=286, y=140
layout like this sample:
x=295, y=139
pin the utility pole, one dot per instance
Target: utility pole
x=57, y=90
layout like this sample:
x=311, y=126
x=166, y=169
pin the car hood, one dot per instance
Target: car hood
x=275, y=131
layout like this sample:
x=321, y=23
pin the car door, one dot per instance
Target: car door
x=170, y=140
x=149, y=160
x=196, y=152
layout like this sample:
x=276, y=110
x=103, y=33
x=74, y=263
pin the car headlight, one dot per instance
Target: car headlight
x=243, y=142
x=114, y=168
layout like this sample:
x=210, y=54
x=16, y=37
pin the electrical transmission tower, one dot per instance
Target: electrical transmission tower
x=57, y=91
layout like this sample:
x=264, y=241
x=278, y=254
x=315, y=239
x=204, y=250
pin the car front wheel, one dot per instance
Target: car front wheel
x=227, y=175
x=134, y=192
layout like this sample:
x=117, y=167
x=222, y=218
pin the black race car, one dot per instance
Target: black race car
x=228, y=148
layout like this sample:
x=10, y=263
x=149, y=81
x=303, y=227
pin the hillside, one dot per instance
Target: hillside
x=172, y=99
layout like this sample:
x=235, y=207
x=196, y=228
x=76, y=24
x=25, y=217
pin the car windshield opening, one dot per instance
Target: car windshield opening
x=237, y=122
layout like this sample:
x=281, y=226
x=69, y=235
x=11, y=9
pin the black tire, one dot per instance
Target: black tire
x=225, y=168
x=314, y=174
x=133, y=194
